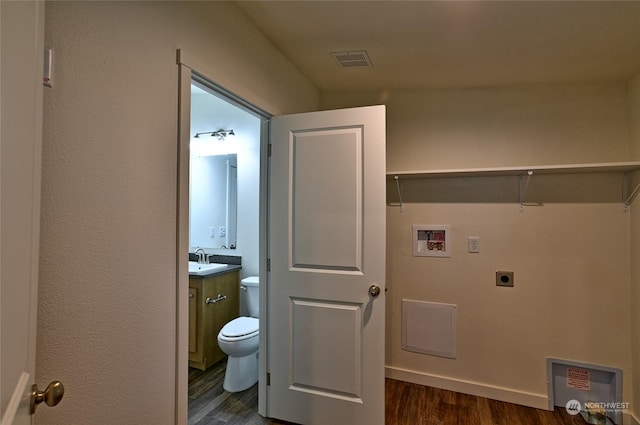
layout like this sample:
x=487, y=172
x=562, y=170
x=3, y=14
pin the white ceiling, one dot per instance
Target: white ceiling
x=427, y=44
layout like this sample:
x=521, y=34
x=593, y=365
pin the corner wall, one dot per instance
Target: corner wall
x=107, y=299
x=570, y=256
x=634, y=114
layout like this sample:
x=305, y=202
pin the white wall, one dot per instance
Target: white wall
x=571, y=256
x=249, y=202
x=108, y=246
x=634, y=113
x=485, y=127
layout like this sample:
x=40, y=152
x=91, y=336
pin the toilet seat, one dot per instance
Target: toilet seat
x=240, y=328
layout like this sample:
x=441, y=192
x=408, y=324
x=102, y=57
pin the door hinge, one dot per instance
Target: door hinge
x=268, y=264
x=269, y=150
x=268, y=378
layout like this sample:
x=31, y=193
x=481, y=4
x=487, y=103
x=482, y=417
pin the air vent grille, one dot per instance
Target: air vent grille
x=352, y=59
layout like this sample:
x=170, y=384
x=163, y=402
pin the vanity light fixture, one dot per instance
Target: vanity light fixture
x=220, y=134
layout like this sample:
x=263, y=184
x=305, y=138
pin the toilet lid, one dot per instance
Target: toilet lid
x=240, y=327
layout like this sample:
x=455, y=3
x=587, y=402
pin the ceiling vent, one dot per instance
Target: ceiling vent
x=352, y=59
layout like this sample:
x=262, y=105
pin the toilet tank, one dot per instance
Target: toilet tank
x=252, y=295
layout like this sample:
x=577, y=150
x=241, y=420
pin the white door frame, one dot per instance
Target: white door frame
x=186, y=74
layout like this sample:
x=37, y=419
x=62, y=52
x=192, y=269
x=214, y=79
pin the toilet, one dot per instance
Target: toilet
x=239, y=340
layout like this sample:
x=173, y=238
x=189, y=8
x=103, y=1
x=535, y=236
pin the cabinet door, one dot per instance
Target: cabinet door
x=218, y=314
x=229, y=286
x=206, y=317
x=193, y=320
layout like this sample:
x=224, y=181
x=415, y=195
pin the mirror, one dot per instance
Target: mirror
x=213, y=200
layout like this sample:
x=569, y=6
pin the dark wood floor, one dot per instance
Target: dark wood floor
x=210, y=404
x=405, y=404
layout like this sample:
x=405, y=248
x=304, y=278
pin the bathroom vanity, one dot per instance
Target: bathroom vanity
x=213, y=301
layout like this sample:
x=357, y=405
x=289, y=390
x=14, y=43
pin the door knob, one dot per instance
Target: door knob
x=51, y=396
x=374, y=291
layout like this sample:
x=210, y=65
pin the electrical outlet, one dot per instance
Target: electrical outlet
x=504, y=278
x=222, y=232
x=474, y=244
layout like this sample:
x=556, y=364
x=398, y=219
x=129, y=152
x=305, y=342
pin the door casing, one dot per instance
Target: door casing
x=186, y=75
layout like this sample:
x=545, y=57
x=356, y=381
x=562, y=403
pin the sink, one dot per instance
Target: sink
x=204, y=269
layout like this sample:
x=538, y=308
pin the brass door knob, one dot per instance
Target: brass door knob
x=374, y=291
x=51, y=396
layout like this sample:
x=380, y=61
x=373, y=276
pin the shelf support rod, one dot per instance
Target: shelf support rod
x=523, y=191
x=629, y=200
x=399, y=192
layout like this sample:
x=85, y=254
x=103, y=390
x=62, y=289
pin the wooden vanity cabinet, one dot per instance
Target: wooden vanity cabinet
x=206, y=320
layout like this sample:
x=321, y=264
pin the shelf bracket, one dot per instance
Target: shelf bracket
x=397, y=179
x=628, y=200
x=523, y=188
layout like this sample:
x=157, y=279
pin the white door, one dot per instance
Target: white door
x=21, y=135
x=327, y=249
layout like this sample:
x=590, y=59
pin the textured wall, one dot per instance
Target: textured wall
x=107, y=324
x=571, y=256
x=500, y=126
x=569, y=299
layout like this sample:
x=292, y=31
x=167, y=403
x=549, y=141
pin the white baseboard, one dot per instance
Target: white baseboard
x=630, y=420
x=509, y=395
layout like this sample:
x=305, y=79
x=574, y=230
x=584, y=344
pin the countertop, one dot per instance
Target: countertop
x=228, y=269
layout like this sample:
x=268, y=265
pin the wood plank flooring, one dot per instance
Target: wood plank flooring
x=405, y=404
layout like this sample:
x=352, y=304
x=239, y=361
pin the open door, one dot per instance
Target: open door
x=326, y=304
x=22, y=63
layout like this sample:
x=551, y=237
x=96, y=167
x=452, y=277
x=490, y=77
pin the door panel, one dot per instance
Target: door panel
x=317, y=324
x=22, y=34
x=327, y=247
x=326, y=207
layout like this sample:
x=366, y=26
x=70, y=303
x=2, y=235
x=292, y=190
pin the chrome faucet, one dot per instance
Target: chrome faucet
x=201, y=255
